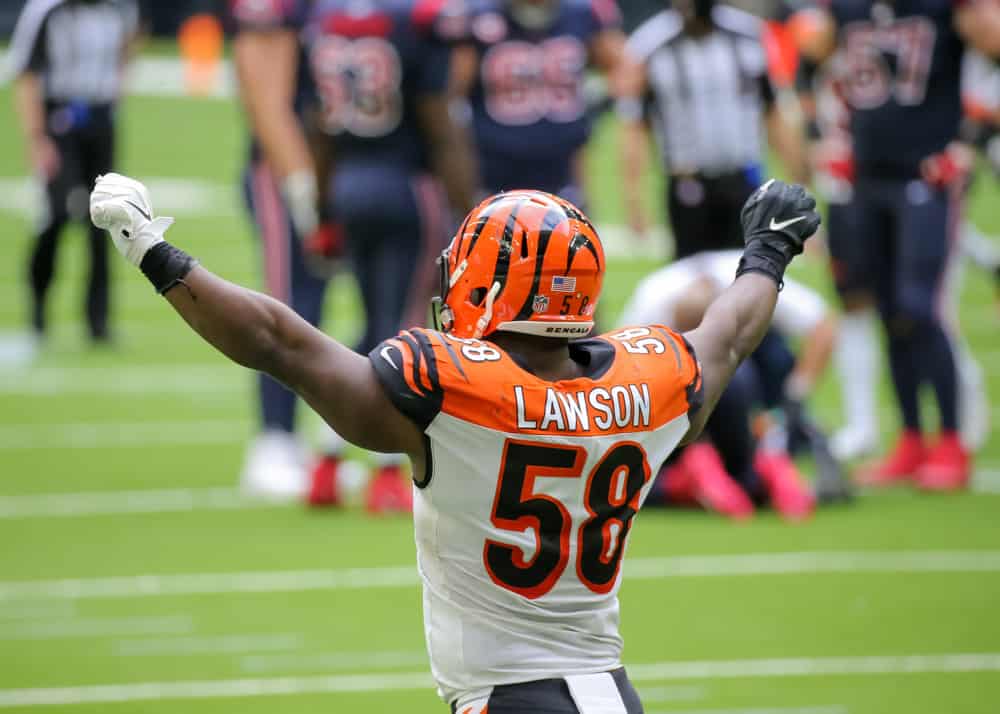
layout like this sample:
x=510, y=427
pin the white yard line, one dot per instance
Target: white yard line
x=96, y=627
x=104, y=503
x=219, y=645
x=44, y=610
x=121, y=434
x=144, y=380
x=178, y=196
x=676, y=693
x=986, y=480
x=405, y=681
x=405, y=576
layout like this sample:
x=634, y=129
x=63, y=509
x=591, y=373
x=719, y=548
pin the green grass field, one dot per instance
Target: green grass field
x=118, y=463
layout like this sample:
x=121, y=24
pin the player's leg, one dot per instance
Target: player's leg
x=690, y=215
x=41, y=261
x=928, y=244
x=275, y=462
x=857, y=355
x=874, y=221
x=99, y=156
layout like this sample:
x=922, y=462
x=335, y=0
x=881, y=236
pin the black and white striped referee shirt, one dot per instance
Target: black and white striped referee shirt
x=707, y=94
x=76, y=46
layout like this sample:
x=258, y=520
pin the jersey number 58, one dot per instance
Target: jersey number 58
x=611, y=498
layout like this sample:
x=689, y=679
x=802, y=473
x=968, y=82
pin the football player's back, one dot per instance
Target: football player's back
x=522, y=518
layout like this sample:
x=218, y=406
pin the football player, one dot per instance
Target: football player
x=676, y=295
x=381, y=71
x=522, y=71
x=533, y=445
x=902, y=62
x=282, y=193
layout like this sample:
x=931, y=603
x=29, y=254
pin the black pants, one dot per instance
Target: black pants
x=551, y=696
x=84, y=137
x=705, y=211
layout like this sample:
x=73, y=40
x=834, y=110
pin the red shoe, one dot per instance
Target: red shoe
x=713, y=488
x=323, y=490
x=390, y=491
x=789, y=493
x=900, y=465
x=677, y=485
x=946, y=466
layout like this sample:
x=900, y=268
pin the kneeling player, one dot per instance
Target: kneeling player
x=678, y=295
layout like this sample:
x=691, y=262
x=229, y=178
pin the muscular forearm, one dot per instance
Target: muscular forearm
x=250, y=328
x=739, y=317
x=732, y=328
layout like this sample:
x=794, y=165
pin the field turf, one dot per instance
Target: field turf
x=122, y=462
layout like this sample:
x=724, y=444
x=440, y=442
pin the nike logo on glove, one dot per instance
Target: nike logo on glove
x=776, y=226
x=149, y=217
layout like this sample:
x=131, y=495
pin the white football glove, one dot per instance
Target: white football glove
x=121, y=206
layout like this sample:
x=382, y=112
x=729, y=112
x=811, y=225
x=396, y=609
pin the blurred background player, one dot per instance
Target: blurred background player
x=902, y=65
x=823, y=95
x=698, y=74
x=522, y=71
x=68, y=57
x=731, y=453
x=282, y=193
x=395, y=162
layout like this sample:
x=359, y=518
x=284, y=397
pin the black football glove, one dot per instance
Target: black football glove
x=777, y=219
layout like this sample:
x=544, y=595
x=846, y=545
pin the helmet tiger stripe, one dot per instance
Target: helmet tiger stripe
x=522, y=261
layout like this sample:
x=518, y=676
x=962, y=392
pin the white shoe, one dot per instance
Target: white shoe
x=275, y=468
x=850, y=443
x=973, y=405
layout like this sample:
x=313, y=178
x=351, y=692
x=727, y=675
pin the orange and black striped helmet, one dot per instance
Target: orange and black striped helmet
x=523, y=261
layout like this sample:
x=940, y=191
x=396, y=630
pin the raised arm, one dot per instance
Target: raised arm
x=255, y=330
x=777, y=219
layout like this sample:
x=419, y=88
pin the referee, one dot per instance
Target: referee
x=67, y=57
x=698, y=72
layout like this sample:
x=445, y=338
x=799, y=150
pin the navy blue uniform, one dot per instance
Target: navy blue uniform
x=903, y=62
x=286, y=275
x=373, y=61
x=529, y=113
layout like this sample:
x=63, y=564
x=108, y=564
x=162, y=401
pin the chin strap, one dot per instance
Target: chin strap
x=487, y=315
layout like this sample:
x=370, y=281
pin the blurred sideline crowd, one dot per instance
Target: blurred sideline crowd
x=373, y=124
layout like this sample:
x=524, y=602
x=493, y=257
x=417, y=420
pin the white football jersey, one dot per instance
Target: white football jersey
x=530, y=492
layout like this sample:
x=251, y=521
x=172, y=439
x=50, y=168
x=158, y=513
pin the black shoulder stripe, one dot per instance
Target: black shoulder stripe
x=673, y=345
x=696, y=389
x=427, y=352
x=416, y=402
x=418, y=358
x=451, y=355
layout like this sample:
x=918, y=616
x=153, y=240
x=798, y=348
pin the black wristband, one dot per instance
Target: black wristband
x=761, y=258
x=166, y=266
